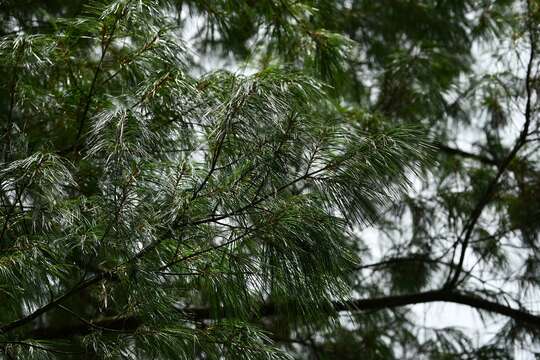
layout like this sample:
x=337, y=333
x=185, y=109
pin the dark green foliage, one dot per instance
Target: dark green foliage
x=156, y=204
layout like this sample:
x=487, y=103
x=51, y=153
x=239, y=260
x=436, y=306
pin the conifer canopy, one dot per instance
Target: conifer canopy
x=269, y=179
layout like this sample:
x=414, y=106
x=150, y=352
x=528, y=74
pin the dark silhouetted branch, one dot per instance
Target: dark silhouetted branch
x=132, y=323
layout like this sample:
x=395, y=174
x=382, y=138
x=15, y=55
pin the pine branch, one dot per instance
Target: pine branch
x=467, y=232
x=17, y=200
x=248, y=231
x=132, y=323
x=402, y=260
x=9, y=127
x=39, y=347
x=6, y=328
x=105, y=43
x=476, y=302
x=241, y=210
x=110, y=275
x=465, y=154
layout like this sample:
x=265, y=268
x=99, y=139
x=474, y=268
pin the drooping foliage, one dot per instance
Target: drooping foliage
x=191, y=179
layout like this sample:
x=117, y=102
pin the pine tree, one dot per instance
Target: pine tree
x=190, y=179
